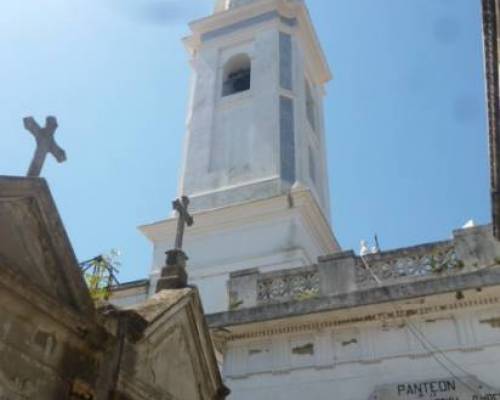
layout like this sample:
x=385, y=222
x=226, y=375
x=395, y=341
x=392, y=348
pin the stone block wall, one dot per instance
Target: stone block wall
x=46, y=354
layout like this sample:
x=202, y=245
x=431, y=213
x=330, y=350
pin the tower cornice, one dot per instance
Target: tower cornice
x=292, y=15
x=210, y=221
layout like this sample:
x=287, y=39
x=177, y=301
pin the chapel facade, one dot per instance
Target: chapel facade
x=292, y=315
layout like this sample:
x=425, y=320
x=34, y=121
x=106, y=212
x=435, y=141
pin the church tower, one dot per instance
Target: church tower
x=254, y=162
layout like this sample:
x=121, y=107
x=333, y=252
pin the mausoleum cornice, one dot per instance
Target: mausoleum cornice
x=395, y=312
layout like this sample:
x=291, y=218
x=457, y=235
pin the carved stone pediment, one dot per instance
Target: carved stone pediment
x=34, y=247
x=170, y=366
x=175, y=353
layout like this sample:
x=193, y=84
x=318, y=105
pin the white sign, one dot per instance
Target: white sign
x=468, y=388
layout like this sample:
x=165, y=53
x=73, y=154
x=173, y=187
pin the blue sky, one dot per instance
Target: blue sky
x=405, y=114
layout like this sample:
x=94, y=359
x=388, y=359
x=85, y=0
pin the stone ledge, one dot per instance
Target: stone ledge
x=142, y=283
x=379, y=295
x=337, y=256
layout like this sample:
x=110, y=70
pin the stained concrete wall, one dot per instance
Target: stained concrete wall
x=44, y=356
x=350, y=360
x=332, y=328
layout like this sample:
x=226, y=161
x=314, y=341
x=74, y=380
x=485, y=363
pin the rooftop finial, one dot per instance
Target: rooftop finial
x=469, y=224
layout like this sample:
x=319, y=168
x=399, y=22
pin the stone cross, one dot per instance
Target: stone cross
x=181, y=206
x=173, y=274
x=45, y=143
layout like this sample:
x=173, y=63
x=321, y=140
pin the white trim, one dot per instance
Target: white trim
x=237, y=186
x=251, y=212
x=285, y=9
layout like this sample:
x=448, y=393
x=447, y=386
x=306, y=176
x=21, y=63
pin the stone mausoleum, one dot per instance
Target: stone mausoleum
x=293, y=316
x=56, y=344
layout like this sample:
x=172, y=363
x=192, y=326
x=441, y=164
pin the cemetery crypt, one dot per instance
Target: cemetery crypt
x=292, y=315
x=58, y=340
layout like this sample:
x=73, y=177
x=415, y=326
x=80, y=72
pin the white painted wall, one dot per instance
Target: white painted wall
x=267, y=368
x=268, y=235
x=234, y=141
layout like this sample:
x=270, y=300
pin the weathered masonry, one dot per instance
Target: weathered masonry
x=55, y=344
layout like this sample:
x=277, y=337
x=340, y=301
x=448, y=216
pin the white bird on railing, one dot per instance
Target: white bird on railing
x=469, y=224
x=364, y=250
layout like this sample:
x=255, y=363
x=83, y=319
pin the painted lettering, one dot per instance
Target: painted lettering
x=430, y=388
x=487, y=396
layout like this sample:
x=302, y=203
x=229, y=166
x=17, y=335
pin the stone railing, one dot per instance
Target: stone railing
x=408, y=265
x=344, y=272
x=294, y=285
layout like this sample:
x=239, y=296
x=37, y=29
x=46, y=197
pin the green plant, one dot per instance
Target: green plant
x=100, y=274
x=449, y=263
x=235, y=304
x=437, y=267
x=306, y=296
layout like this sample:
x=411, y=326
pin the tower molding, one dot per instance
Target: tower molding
x=290, y=15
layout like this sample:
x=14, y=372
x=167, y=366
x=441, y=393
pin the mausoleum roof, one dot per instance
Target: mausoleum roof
x=160, y=303
x=34, y=243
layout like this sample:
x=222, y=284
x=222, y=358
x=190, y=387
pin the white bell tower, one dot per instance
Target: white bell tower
x=255, y=162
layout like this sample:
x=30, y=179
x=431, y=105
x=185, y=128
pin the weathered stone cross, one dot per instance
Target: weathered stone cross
x=173, y=274
x=45, y=143
x=181, y=206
